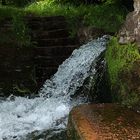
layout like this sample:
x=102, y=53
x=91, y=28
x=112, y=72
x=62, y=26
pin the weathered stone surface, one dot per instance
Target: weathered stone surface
x=57, y=33
x=51, y=25
x=103, y=122
x=46, y=42
x=130, y=31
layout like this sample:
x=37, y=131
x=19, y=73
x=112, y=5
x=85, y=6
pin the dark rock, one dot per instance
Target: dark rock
x=130, y=31
x=96, y=86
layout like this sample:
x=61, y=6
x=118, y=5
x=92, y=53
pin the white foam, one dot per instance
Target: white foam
x=50, y=110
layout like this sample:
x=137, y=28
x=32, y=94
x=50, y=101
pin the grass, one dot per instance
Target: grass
x=106, y=16
x=17, y=34
x=101, y=16
x=9, y=11
x=21, y=31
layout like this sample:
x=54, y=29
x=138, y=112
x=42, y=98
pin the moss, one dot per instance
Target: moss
x=122, y=62
x=21, y=31
x=17, y=34
x=9, y=11
x=21, y=90
x=120, y=57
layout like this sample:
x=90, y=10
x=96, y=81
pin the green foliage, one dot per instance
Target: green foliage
x=79, y=2
x=107, y=16
x=18, y=3
x=21, y=90
x=126, y=3
x=9, y=11
x=21, y=32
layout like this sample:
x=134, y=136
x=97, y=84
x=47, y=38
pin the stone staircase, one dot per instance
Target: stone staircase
x=53, y=44
x=29, y=67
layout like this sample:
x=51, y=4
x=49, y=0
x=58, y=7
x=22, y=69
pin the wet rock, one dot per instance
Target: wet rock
x=86, y=34
x=96, y=86
x=47, y=135
x=103, y=122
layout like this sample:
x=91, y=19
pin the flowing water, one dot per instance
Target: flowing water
x=20, y=116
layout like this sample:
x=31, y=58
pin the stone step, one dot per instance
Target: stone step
x=46, y=70
x=8, y=50
x=55, y=42
x=7, y=26
x=44, y=62
x=38, y=23
x=103, y=122
x=44, y=19
x=7, y=66
x=49, y=62
x=57, y=33
x=35, y=19
x=42, y=74
x=54, y=50
x=6, y=23
x=50, y=35
x=13, y=75
x=35, y=26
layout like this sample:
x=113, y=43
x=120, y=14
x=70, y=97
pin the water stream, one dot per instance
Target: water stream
x=20, y=116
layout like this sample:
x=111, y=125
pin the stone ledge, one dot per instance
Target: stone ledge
x=103, y=122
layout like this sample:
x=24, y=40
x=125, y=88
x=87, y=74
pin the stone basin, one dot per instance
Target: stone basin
x=103, y=122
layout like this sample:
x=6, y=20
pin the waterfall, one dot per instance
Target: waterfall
x=21, y=116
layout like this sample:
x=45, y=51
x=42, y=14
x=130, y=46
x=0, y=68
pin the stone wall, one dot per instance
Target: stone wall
x=24, y=69
x=52, y=44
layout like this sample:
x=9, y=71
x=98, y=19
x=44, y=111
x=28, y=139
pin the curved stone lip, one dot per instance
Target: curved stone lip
x=103, y=122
